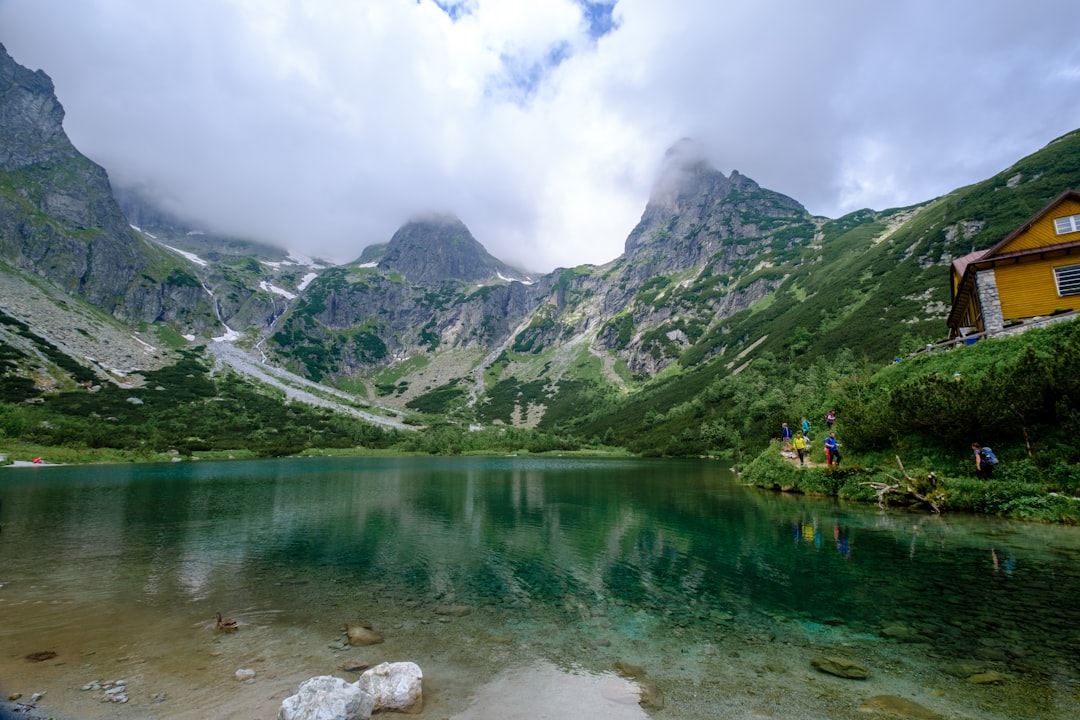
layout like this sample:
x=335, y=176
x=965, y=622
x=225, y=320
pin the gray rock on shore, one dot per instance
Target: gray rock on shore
x=388, y=686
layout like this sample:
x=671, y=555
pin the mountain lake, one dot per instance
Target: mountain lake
x=523, y=587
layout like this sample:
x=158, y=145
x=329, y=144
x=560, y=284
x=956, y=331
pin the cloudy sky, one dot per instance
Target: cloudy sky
x=323, y=125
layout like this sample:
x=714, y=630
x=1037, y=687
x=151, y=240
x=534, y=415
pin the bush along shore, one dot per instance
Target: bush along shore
x=1011, y=493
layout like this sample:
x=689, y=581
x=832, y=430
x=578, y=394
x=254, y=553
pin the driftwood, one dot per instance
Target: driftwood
x=905, y=489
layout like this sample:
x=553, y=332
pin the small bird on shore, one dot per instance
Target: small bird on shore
x=227, y=625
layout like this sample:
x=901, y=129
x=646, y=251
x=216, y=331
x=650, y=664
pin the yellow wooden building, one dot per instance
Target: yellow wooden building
x=1033, y=272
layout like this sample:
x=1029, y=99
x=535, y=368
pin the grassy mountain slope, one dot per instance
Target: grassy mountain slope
x=872, y=285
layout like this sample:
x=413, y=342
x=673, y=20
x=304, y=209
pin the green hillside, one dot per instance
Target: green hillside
x=873, y=285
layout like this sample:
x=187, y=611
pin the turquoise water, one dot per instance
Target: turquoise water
x=719, y=594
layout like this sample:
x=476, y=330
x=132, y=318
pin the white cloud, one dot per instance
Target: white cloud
x=325, y=125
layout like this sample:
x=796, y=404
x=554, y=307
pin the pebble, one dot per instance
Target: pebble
x=245, y=674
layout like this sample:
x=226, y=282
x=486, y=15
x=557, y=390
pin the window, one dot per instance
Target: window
x=1067, y=224
x=1068, y=280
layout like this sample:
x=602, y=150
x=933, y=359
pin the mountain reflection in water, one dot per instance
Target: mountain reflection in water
x=486, y=571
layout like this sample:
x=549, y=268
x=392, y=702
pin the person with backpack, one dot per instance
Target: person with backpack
x=985, y=460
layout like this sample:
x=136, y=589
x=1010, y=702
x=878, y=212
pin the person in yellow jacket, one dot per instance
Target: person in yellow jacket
x=801, y=443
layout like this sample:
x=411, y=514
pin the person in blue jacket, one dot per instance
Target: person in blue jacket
x=832, y=450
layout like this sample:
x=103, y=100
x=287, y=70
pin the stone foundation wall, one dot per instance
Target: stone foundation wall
x=989, y=301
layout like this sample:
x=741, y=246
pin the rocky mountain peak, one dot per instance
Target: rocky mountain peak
x=684, y=166
x=437, y=247
x=691, y=196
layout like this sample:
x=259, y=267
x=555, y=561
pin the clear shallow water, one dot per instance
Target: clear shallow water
x=519, y=582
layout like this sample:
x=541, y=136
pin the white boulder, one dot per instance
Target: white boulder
x=395, y=686
x=327, y=698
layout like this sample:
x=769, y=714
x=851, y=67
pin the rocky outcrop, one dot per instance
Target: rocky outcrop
x=59, y=220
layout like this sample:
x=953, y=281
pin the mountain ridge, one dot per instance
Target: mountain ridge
x=717, y=274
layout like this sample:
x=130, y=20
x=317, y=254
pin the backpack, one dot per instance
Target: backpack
x=988, y=456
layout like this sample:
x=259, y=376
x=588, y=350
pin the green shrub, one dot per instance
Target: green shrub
x=770, y=469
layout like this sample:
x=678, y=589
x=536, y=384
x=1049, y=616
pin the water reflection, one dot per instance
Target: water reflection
x=557, y=553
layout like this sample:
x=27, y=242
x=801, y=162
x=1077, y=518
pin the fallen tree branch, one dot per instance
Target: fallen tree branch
x=886, y=489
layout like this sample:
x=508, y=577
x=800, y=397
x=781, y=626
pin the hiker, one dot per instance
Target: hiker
x=830, y=418
x=985, y=460
x=785, y=433
x=832, y=450
x=806, y=428
x=801, y=443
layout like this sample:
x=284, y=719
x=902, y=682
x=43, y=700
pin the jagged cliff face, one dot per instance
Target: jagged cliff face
x=59, y=219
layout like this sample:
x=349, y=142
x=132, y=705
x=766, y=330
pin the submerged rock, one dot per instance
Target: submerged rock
x=453, y=610
x=651, y=696
x=964, y=669
x=840, y=667
x=362, y=634
x=987, y=678
x=354, y=666
x=898, y=632
x=898, y=707
x=629, y=669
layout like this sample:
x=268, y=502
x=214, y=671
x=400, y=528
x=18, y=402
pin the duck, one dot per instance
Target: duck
x=225, y=625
